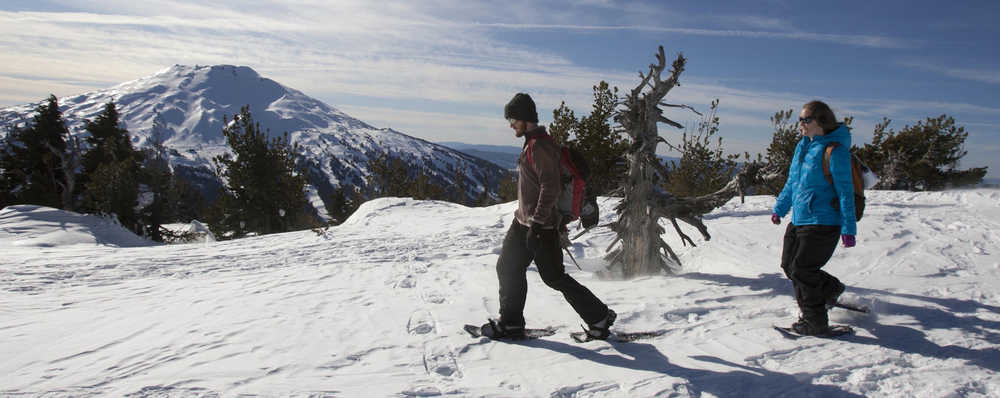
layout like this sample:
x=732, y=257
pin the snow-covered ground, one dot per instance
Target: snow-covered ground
x=375, y=308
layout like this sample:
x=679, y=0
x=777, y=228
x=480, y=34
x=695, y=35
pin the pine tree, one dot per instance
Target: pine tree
x=604, y=147
x=158, y=180
x=342, y=203
x=782, y=148
x=109, y=141
x=190, y=201
x=593, y=137
x=111, y=169
x=7, y=177
x=921, y=157
x=11, y=179
x=264, y=193
x=701, y=169
x=508, y=188
x=389, y=176
x=33, y=163
x=456, y=192
x=563, y=124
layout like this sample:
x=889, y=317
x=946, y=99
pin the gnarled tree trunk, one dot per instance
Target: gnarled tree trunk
x=644, y=202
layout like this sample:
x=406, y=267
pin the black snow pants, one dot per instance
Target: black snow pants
x=512, y=268
x=806, y=249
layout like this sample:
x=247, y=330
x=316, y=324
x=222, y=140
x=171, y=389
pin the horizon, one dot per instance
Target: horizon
x=442, y=71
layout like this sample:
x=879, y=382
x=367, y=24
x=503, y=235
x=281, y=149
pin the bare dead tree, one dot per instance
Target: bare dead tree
x=644, y=203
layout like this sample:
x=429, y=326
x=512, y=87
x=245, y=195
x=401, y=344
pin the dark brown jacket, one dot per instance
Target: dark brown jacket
x=538, y=180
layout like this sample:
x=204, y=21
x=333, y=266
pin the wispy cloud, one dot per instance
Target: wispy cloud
x=853, y=40
x=991, y=76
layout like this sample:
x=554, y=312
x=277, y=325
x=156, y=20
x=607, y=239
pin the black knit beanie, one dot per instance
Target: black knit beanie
x=521, y=107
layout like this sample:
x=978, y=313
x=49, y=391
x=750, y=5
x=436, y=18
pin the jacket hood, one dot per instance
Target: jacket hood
x=841, y=135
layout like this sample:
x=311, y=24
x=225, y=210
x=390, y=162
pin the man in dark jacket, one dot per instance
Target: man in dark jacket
x=534, y=235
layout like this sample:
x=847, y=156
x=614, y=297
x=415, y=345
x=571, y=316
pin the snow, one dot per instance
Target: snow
x=375, y=308
x=42, y=227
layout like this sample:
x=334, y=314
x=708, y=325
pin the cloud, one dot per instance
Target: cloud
x=991, y=76
x=853, y=40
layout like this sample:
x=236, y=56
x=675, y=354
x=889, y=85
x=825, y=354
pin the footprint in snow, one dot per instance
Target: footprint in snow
x=421, y=322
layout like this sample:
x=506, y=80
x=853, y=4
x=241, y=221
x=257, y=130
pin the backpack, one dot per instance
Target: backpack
x=574, y=202
x=861, y=177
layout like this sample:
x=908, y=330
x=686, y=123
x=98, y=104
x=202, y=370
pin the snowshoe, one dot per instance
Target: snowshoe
x=490, y=330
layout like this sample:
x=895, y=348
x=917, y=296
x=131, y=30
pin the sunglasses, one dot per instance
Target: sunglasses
x=806, y=120
x=511, y=120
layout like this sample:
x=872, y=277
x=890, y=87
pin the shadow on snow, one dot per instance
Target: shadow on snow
x=940, y=313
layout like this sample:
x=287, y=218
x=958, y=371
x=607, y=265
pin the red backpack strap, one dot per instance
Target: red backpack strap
x=578, y=183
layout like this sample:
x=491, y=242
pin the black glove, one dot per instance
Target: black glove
x=534, y=238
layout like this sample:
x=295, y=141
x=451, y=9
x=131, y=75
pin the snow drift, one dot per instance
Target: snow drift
x=375, y=308
x=40, y=226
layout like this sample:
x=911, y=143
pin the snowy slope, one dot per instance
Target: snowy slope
x=374, y=308
x=194, y=101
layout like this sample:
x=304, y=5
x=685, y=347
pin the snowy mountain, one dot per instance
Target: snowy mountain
x=375, y=308
x=193, y=101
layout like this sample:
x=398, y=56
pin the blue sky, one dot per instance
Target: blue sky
x=442, y=70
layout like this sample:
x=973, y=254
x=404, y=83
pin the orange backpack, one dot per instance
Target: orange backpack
x=858, y=170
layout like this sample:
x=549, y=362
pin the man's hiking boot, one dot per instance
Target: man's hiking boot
x=602, y=329
x=831, y=300
x=497, y=330
x=810, y=328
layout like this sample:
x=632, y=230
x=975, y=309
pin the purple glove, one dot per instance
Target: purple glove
x=775, y=219
x=848, y=240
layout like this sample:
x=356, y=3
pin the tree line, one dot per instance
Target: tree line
x=43, y=164
x=263, y=191
x=264, y=188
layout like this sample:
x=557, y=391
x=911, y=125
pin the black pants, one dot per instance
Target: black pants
x=807, y=249
x=512, y=268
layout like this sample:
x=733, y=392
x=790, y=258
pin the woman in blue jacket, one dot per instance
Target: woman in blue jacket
x=821, y=213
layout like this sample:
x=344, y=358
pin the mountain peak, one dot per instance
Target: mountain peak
x=194, y=101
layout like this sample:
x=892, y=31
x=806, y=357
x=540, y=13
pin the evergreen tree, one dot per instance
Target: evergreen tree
x=190, y=203
x=508, y=188
x=7, y=178
x=263, y=193
x=563, y=124
x=342, y=203
x=33, y=162
x=779, y=153
x=163, y=200
x=111, y=169
x=389, y=176
x=108, y=141
x=594, y=138
x=457, y=189
x=921, y=157
x=701, y=169
x=604, y=147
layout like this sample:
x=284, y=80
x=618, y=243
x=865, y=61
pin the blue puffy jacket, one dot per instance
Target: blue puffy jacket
x=807, y=192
